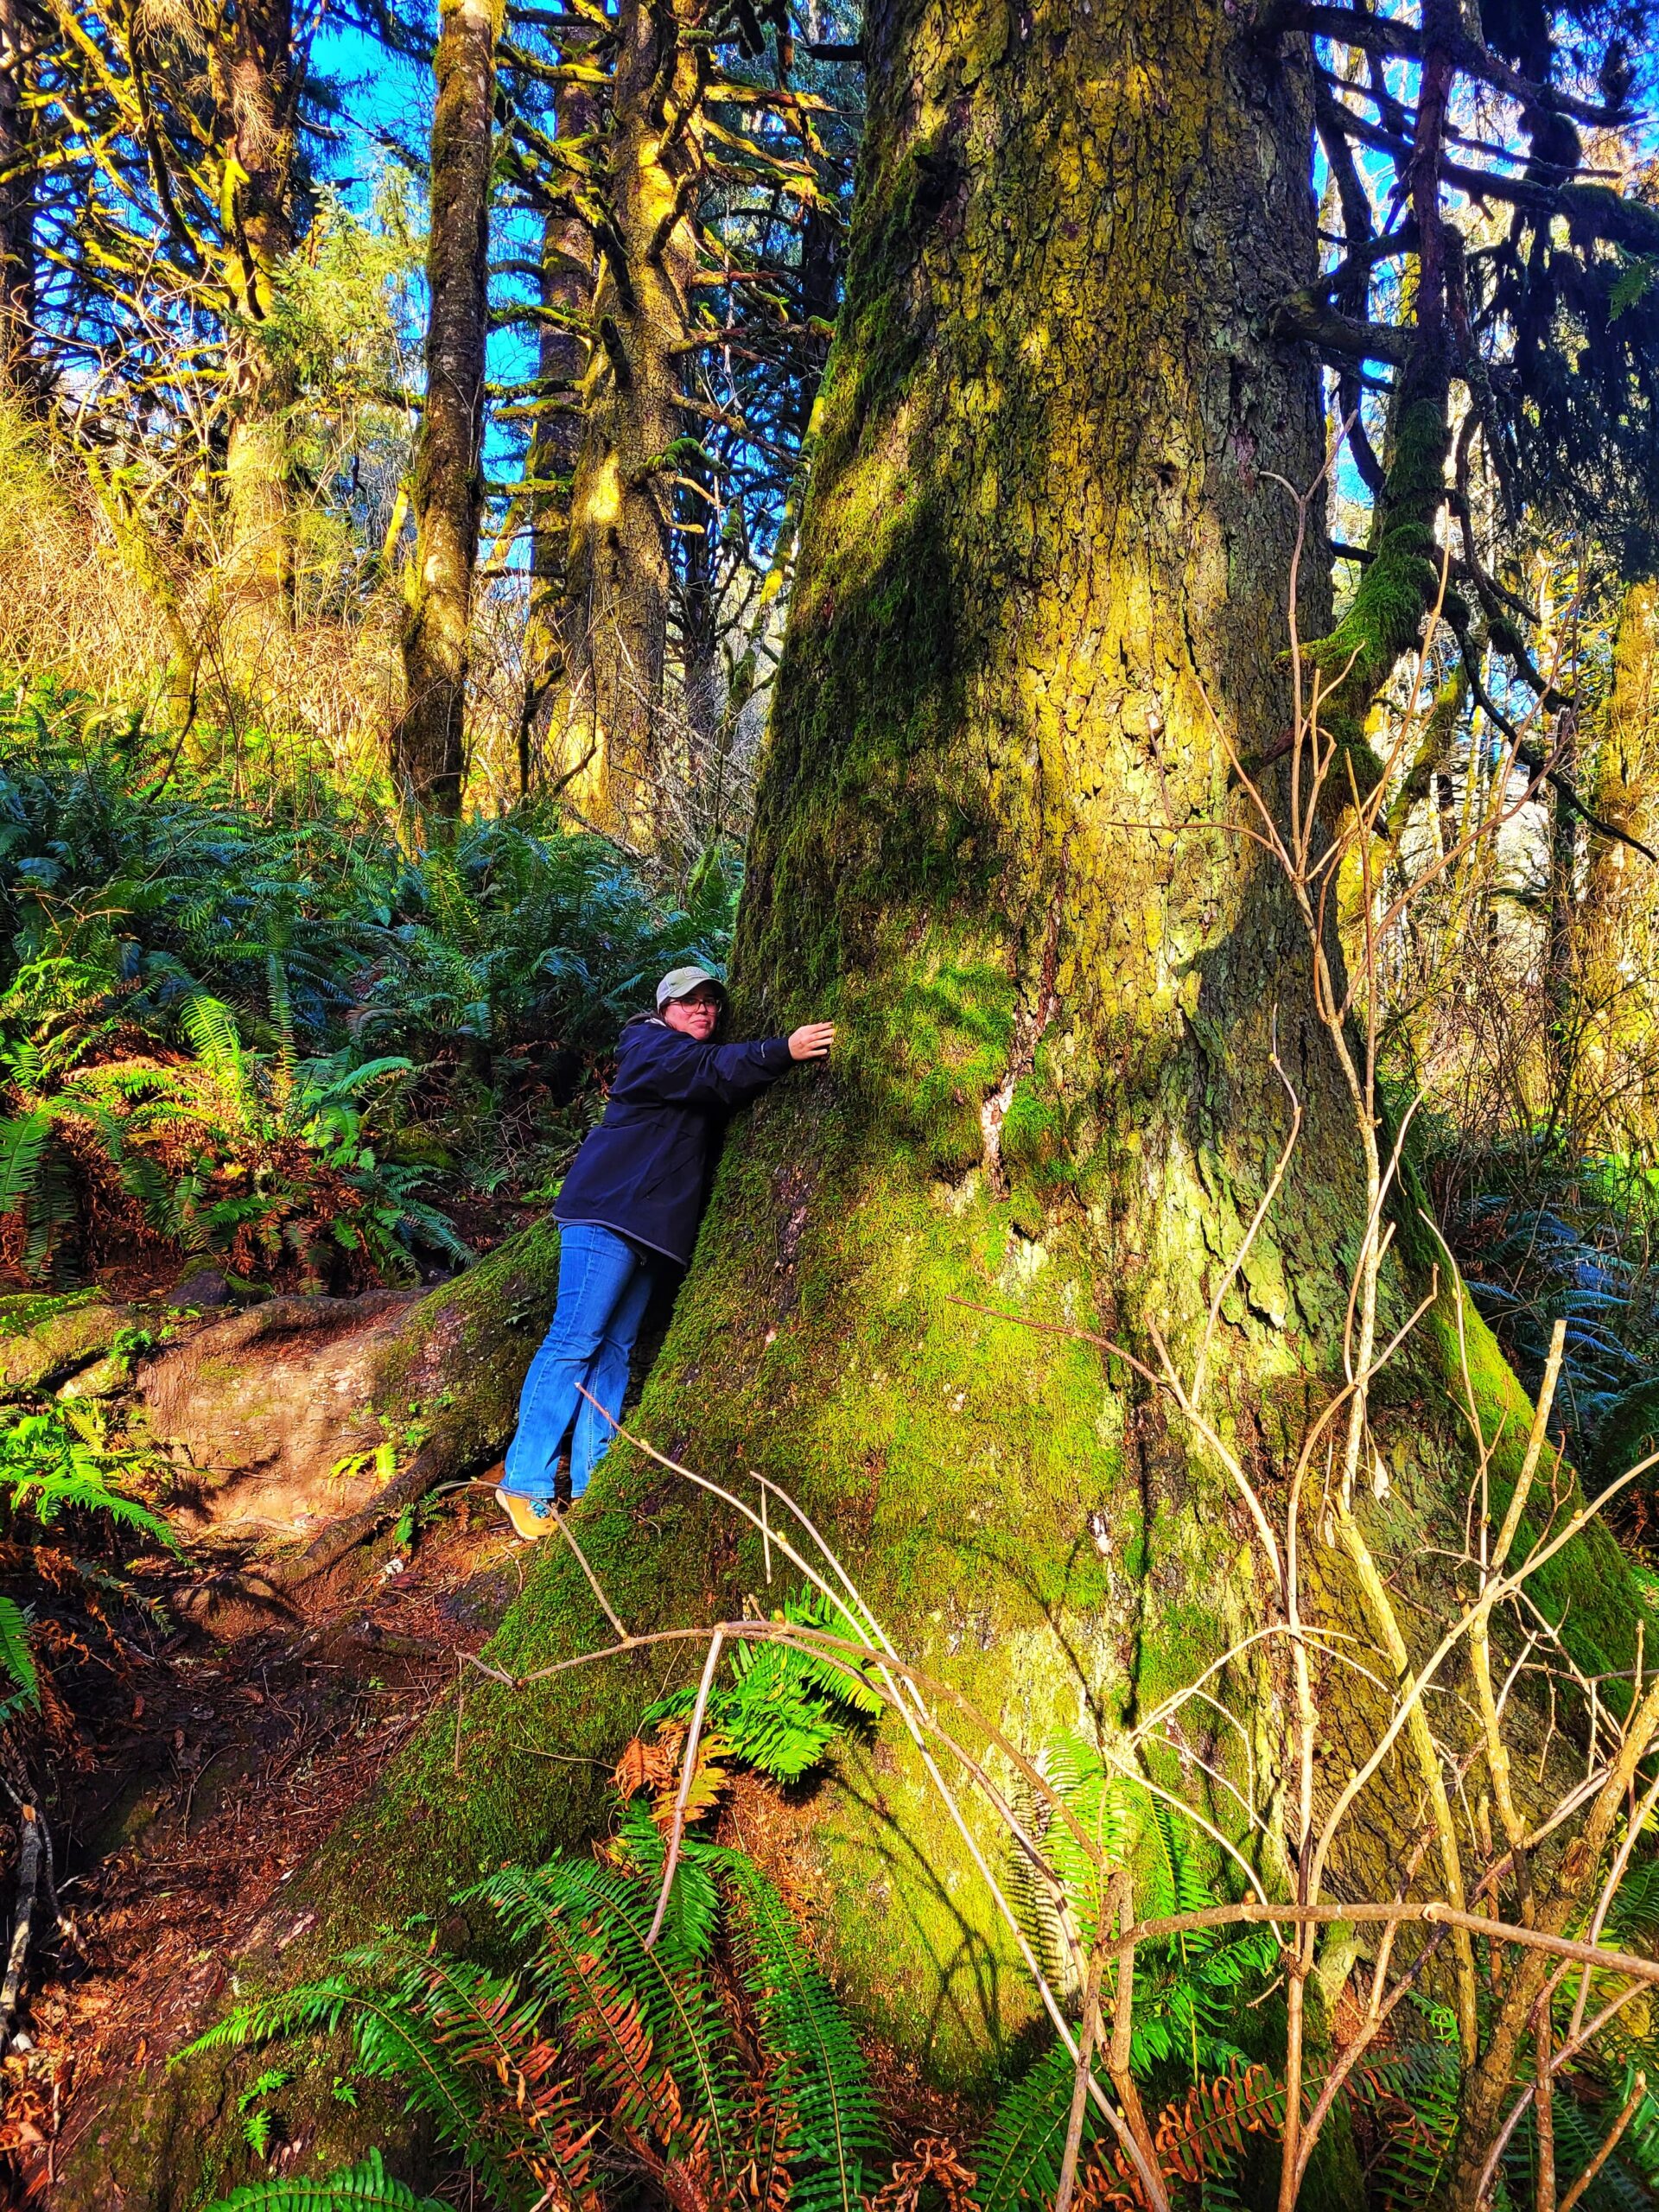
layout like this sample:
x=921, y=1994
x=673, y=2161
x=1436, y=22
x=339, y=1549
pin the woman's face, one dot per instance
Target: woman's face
x=695, y=1014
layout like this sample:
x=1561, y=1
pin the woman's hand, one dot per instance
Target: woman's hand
x=812, y=1040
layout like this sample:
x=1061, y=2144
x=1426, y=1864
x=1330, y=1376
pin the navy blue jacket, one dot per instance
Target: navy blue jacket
x=644, y=1171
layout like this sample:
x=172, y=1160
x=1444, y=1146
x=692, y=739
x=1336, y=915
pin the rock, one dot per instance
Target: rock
x=203, y=1287
x=43, y=1338
x=273, y=1415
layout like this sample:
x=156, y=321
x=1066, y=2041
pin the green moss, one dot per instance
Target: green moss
x=1033, y=1129
x=454, y=1367
x=24, y=1312
x=1398, y=584
x=43, y=1337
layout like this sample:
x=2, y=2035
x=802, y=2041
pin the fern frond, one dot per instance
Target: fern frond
x=22, y=1146
x=211, y=1032
x=1578, y=2137
x=455, y=2037
x=1204, y=2133
x=643, y=2018
x=837, y=2135
x=17, y=1655
x=364, y=2188
x=47, y=1494
x=1017, y=2162
x=783, y=1707
x=1413, y=2089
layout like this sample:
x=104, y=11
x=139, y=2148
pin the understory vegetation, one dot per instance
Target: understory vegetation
x=276, y=1041
x=661, y=2021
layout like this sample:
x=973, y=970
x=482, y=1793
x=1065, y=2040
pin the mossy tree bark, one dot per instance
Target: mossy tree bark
x=604, y=745
x=564, y=344
x=428, y=750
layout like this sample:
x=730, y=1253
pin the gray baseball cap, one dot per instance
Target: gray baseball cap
x=680, y=982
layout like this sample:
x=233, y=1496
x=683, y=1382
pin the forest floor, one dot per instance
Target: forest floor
x=198, y=1784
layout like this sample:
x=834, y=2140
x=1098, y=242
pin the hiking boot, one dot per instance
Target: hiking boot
x=532, y=1517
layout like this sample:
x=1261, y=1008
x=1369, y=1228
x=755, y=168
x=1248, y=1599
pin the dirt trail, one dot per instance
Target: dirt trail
x=205, y=1776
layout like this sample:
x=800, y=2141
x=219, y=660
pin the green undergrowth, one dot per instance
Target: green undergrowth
x=617, y=2032
x=270, y=1032
x=594, y=2054
x=1546, y=1235
x=74, y=1526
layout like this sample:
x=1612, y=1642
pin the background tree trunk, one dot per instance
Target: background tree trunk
x=428, y=753
x=254, y=92
x=1563, y=1003
x=1616, y=919
x=17, y=202
x=562, y=351
x=617, y=592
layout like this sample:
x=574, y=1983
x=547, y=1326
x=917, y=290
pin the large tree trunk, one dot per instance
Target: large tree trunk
x=1041, y=604
x=563, y=347
x=1043, y=577
x=428, y=757
x=604, y=746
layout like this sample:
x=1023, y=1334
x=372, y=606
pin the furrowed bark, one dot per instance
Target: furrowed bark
x=603, y=749
x=427, y=747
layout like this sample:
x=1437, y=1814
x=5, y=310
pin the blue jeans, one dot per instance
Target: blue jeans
x=604, y=1288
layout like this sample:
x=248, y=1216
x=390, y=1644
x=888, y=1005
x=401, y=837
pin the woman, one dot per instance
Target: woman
x=629, y=1209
